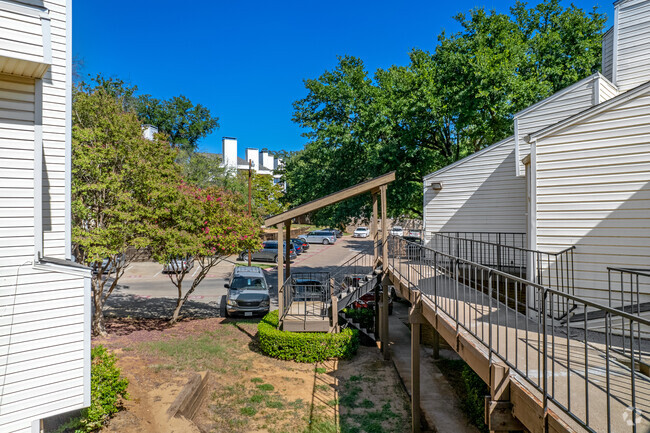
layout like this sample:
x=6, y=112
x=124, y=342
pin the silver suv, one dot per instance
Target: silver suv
x=248, y=292
x=319, y=237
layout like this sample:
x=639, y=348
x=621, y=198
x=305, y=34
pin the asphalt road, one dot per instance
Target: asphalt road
x=144, y=291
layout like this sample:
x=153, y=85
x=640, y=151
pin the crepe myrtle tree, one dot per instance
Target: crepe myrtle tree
x=203, y=225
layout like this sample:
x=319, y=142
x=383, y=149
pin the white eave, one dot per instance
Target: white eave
x=590, y=112
x=23, y=53
x=470, y=157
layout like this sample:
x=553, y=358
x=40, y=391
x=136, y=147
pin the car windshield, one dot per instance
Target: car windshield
x=243, y=283
x=362, y=229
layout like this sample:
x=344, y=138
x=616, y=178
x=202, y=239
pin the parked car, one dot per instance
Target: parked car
x=179, y=265
x=297, y=246
x=368, y=300
x=413, y=247
x=361, y=232
x=302, y=242
x=397, y=231
x=319, y=237
x=269, y=252
x=248, y=293
x=416, y=233
x=338, y=233
x=309, y=290
x=107, y=266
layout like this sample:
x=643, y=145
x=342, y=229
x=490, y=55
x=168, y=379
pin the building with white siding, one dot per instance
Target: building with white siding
x=44, y=297
x=576, y=173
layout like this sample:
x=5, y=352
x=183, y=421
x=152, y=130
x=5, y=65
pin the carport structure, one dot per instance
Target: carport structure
x=378, y=188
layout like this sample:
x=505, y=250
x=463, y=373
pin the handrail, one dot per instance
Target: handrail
x=599, y=359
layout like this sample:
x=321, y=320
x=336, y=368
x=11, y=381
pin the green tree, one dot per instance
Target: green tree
x=114, y=173
x=206, y=225
x=184, y=122
x=206, y=169
x=267, y=197
x=443, y=106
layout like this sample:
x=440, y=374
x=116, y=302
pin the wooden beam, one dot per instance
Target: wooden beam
x=280, y=273
x=373, y=229
x=384, y=227
x=288, y=249
x=331, y=199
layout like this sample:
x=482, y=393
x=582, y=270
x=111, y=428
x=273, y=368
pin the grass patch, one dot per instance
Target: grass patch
x=248, y=410
x=265, y=387
x=320, y=370
x=257, y=380
x=322, y=388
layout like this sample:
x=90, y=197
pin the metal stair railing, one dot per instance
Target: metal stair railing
x=506, y=252
x=583, y=370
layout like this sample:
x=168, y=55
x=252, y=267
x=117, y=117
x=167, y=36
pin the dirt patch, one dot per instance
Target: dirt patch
x=249, y=392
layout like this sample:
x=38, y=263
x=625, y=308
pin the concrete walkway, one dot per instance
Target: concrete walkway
x=438, y=402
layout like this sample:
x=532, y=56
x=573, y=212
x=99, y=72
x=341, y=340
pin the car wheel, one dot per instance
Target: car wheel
x=275, y=259
x=326, y=242
x=222, y=307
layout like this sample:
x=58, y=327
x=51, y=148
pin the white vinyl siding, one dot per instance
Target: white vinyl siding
x=606, y=90
x=608, y=53
x=45, y=309
x=633, y=46
x=593, y=191
x=479, y=194
x=553, y=109
x=16, y=170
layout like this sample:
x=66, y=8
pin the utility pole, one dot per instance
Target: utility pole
x=250, y=175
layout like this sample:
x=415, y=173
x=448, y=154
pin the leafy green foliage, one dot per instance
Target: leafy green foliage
x=115, y=172
x=474, y=402
x=304, y=346
x=204, y=224
x=107, y=388
x=205, y=170
x=441, y=107
x=364, y=316
x=184, y=122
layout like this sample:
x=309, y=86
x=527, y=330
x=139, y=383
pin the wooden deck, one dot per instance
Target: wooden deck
x=306, y=316
x=576, y=368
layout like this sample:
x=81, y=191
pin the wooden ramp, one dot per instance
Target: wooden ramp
x=576, y=375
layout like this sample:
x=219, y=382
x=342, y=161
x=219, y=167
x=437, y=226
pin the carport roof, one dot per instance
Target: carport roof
x=336, y=197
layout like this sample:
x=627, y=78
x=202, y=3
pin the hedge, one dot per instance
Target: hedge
x=304, y=346
x=107, y=388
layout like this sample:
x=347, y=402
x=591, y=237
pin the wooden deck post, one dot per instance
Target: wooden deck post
x=416, y=319
x=288, y=249
x=384, y=317
x=436, y=344
x=373, y=229
x=335, y=314
x=280, y=273
x=384, y=260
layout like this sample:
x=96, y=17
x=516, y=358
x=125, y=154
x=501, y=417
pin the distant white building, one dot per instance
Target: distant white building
x=576, y=173
x=44, y=297
x=261, y=162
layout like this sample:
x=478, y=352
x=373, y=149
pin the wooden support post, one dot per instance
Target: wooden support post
x=436, y=344
x=335, y=314
x=498, y=408
x=384, y=318
x=416, y=319
x=373, y=229
x=280, y=273
x=384, y=226
x=288, y=249
x=377, y=316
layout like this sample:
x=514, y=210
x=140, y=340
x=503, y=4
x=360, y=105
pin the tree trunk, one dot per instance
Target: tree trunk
x=98, y=324
x=177, y=310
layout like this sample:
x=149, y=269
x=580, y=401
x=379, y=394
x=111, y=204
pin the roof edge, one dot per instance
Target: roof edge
x=592, y=111
x=470, y=157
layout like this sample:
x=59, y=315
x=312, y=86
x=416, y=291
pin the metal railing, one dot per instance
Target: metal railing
x=584, y=373
x=306, y=294
x=506, y=252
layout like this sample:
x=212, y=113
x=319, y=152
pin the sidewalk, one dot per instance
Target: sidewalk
x=438, y=401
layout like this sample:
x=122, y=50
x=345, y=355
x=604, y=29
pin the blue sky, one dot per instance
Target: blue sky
x=246, y=61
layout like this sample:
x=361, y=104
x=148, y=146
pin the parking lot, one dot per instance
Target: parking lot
x=144, y=291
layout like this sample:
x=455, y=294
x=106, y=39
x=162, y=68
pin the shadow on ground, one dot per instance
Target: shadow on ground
x=119, y=305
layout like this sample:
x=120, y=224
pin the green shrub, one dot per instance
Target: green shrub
x=475, y=392
x=304, y=346
x=107, y=387
x=364, y=316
